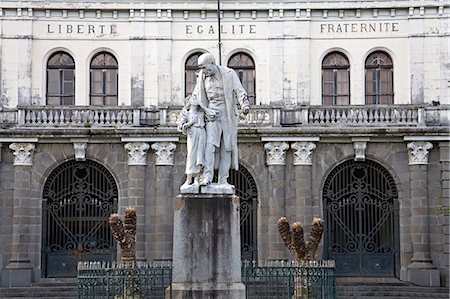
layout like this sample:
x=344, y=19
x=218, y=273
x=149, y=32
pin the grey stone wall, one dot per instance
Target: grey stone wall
x=301, y=186
x=6, y=204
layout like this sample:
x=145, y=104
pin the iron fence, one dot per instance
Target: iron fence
x=103, y=281
x=289, y=280
x=263, y=280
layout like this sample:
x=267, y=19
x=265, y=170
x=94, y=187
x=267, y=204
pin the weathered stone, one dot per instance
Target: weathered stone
x=206, y=249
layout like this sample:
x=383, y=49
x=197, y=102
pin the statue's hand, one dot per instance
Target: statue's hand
x=245, y=110
x=185, y=127
x=210, y=114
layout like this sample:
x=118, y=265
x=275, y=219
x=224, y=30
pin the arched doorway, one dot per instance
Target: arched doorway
x=78, y=198
x=361, y=212
x=245, y=188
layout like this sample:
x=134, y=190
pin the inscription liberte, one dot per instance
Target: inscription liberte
x=358, y=27
x=82, y=29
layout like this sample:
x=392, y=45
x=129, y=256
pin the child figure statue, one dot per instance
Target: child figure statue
x=192, y=124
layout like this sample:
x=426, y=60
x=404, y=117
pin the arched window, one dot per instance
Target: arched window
x=379, y=79
x=244, y=66
x=335, y=79
x=190, y=73
x=60, y=79
x=104, y=72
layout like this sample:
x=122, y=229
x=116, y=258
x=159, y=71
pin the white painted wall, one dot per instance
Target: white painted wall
x=287, y=47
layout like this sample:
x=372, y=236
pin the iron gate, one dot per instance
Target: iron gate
x=361, y=208
x=78, y=197
x=245, y=188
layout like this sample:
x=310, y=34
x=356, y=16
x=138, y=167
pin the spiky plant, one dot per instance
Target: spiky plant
x=298, y=241
x=293, y=238
x=317, y=227
x=125, y=235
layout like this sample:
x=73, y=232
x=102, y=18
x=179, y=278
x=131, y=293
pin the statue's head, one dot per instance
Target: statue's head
x=206, y=59
x=208, y=62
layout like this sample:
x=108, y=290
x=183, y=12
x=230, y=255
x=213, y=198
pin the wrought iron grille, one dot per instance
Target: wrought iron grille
x=78, y=197
x=289, y=280
x=263, y=280
x=101, y=281
x=361, y=208
x=245, y=188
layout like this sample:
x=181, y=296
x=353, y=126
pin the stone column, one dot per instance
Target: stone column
x=303, y=181
x=137, y=161
x=276, y=161
x=19, y=271
x=164, y=200
x=421, y=271
x=444, y=151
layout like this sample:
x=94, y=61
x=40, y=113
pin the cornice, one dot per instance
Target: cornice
x=247, y=10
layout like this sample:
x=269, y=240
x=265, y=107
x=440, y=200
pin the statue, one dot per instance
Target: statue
x=192, y=125
x=218, y=91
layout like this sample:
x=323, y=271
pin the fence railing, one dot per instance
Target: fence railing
x=101, y=281
x=263, y=280
x=289, y=280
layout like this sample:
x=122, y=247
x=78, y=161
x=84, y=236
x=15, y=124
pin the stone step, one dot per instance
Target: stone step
x=385, y=287
x=45, y=289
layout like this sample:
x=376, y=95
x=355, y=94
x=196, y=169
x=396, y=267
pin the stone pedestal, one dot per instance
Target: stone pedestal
x=206, y=247
x=17, y=274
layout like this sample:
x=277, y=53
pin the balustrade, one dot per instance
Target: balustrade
x=78, y=116
x=259, y=116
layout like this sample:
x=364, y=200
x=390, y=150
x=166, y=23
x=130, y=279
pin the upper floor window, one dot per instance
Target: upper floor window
x=190, y=73
x=379, y=79
x=104, y=80
x=335, y=79
x=60, y=79
x=244, y=66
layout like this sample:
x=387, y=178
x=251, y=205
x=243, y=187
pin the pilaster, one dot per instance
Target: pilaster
x=164, y=199
x=421, y=271
x=276, y=161
x=19, y=271
x=137, y=161
x=444, y=153
x=303, y=180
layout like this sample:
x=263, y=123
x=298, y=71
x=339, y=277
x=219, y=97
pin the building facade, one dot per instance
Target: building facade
x=349, y=122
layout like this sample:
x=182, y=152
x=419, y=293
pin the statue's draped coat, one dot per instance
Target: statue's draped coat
x=234, y=93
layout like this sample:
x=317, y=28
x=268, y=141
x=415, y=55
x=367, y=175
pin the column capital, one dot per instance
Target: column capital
x=276, y=152
x=418, y=152
x=137, y=153
x=23, y=153
x=303, y=152
x=164, y=152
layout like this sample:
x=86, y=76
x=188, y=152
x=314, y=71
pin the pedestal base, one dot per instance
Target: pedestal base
x=424, y=277
x=208, y=291
x=206, y=247
x=17, y=274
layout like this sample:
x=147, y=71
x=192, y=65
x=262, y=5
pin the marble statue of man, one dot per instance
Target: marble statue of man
x=220, y=89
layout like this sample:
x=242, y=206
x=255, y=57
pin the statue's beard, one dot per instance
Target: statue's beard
x=210, y=71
